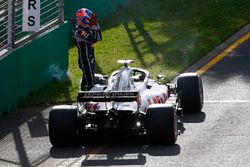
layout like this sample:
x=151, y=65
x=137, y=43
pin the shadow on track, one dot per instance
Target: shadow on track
x=193, y=117
x=123, y=148
x=119, y=149
x=18, y=130
x=71, y=152
x=130, y=155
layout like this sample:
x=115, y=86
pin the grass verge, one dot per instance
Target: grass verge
x=164, y=36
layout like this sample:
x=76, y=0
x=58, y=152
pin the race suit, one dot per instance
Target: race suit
x=85, y=39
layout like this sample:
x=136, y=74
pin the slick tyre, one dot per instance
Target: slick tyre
x=190, y=92
x=162, y=124
x=63, y=127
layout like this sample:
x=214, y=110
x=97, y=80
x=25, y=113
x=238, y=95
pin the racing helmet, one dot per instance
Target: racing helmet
x=85, y=18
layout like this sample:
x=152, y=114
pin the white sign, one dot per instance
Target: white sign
x=31, y=15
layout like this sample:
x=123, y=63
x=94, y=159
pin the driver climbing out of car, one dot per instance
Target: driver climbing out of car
x=86, y=32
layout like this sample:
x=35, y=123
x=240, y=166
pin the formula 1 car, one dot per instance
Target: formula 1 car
x=128, y=100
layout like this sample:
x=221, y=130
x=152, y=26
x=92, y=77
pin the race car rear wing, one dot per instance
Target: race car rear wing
x=116, y=96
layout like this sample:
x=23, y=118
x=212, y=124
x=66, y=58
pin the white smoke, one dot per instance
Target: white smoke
x=57, y=72
x=188, y=46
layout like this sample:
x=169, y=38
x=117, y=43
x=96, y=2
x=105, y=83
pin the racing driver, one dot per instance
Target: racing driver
x=86, y=32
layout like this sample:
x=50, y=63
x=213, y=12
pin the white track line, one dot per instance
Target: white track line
x=218, y=101
x=227, y=101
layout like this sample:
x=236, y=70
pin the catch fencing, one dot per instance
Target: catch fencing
x=11, y=11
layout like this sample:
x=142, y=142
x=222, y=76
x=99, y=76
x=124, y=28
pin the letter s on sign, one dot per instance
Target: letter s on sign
x=31, y=20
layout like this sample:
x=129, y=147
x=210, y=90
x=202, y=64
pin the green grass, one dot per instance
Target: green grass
x=163, y=36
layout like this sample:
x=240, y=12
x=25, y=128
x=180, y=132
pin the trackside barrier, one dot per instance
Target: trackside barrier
x=30, y=60
x=32, y=66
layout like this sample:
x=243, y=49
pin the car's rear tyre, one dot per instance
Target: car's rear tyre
x=162, y=124
x=190, y=92
x=63, y=127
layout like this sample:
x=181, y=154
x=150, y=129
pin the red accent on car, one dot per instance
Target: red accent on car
x=149, y=102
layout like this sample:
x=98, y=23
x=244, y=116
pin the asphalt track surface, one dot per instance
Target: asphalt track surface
x=218, y=136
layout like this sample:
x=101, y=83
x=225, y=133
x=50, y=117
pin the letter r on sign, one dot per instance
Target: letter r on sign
x=32, y=3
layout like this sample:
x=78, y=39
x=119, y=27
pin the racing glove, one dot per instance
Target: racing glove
x=90, y=36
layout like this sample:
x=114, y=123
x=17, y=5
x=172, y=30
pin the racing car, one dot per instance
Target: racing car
x=128, y=100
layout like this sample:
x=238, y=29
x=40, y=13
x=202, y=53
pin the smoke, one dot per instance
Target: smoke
x=188, y=46
x=57, y=73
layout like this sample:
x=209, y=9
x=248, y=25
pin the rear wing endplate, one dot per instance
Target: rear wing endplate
x=116, y=96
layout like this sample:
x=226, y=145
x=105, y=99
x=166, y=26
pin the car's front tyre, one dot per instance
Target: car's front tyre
x=190, y=92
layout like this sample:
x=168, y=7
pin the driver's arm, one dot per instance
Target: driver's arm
x=91, y=36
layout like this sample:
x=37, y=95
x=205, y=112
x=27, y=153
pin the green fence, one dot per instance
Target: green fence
x=32, y=66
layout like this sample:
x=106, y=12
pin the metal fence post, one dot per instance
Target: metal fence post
x=61, y=11
x=11, y=24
